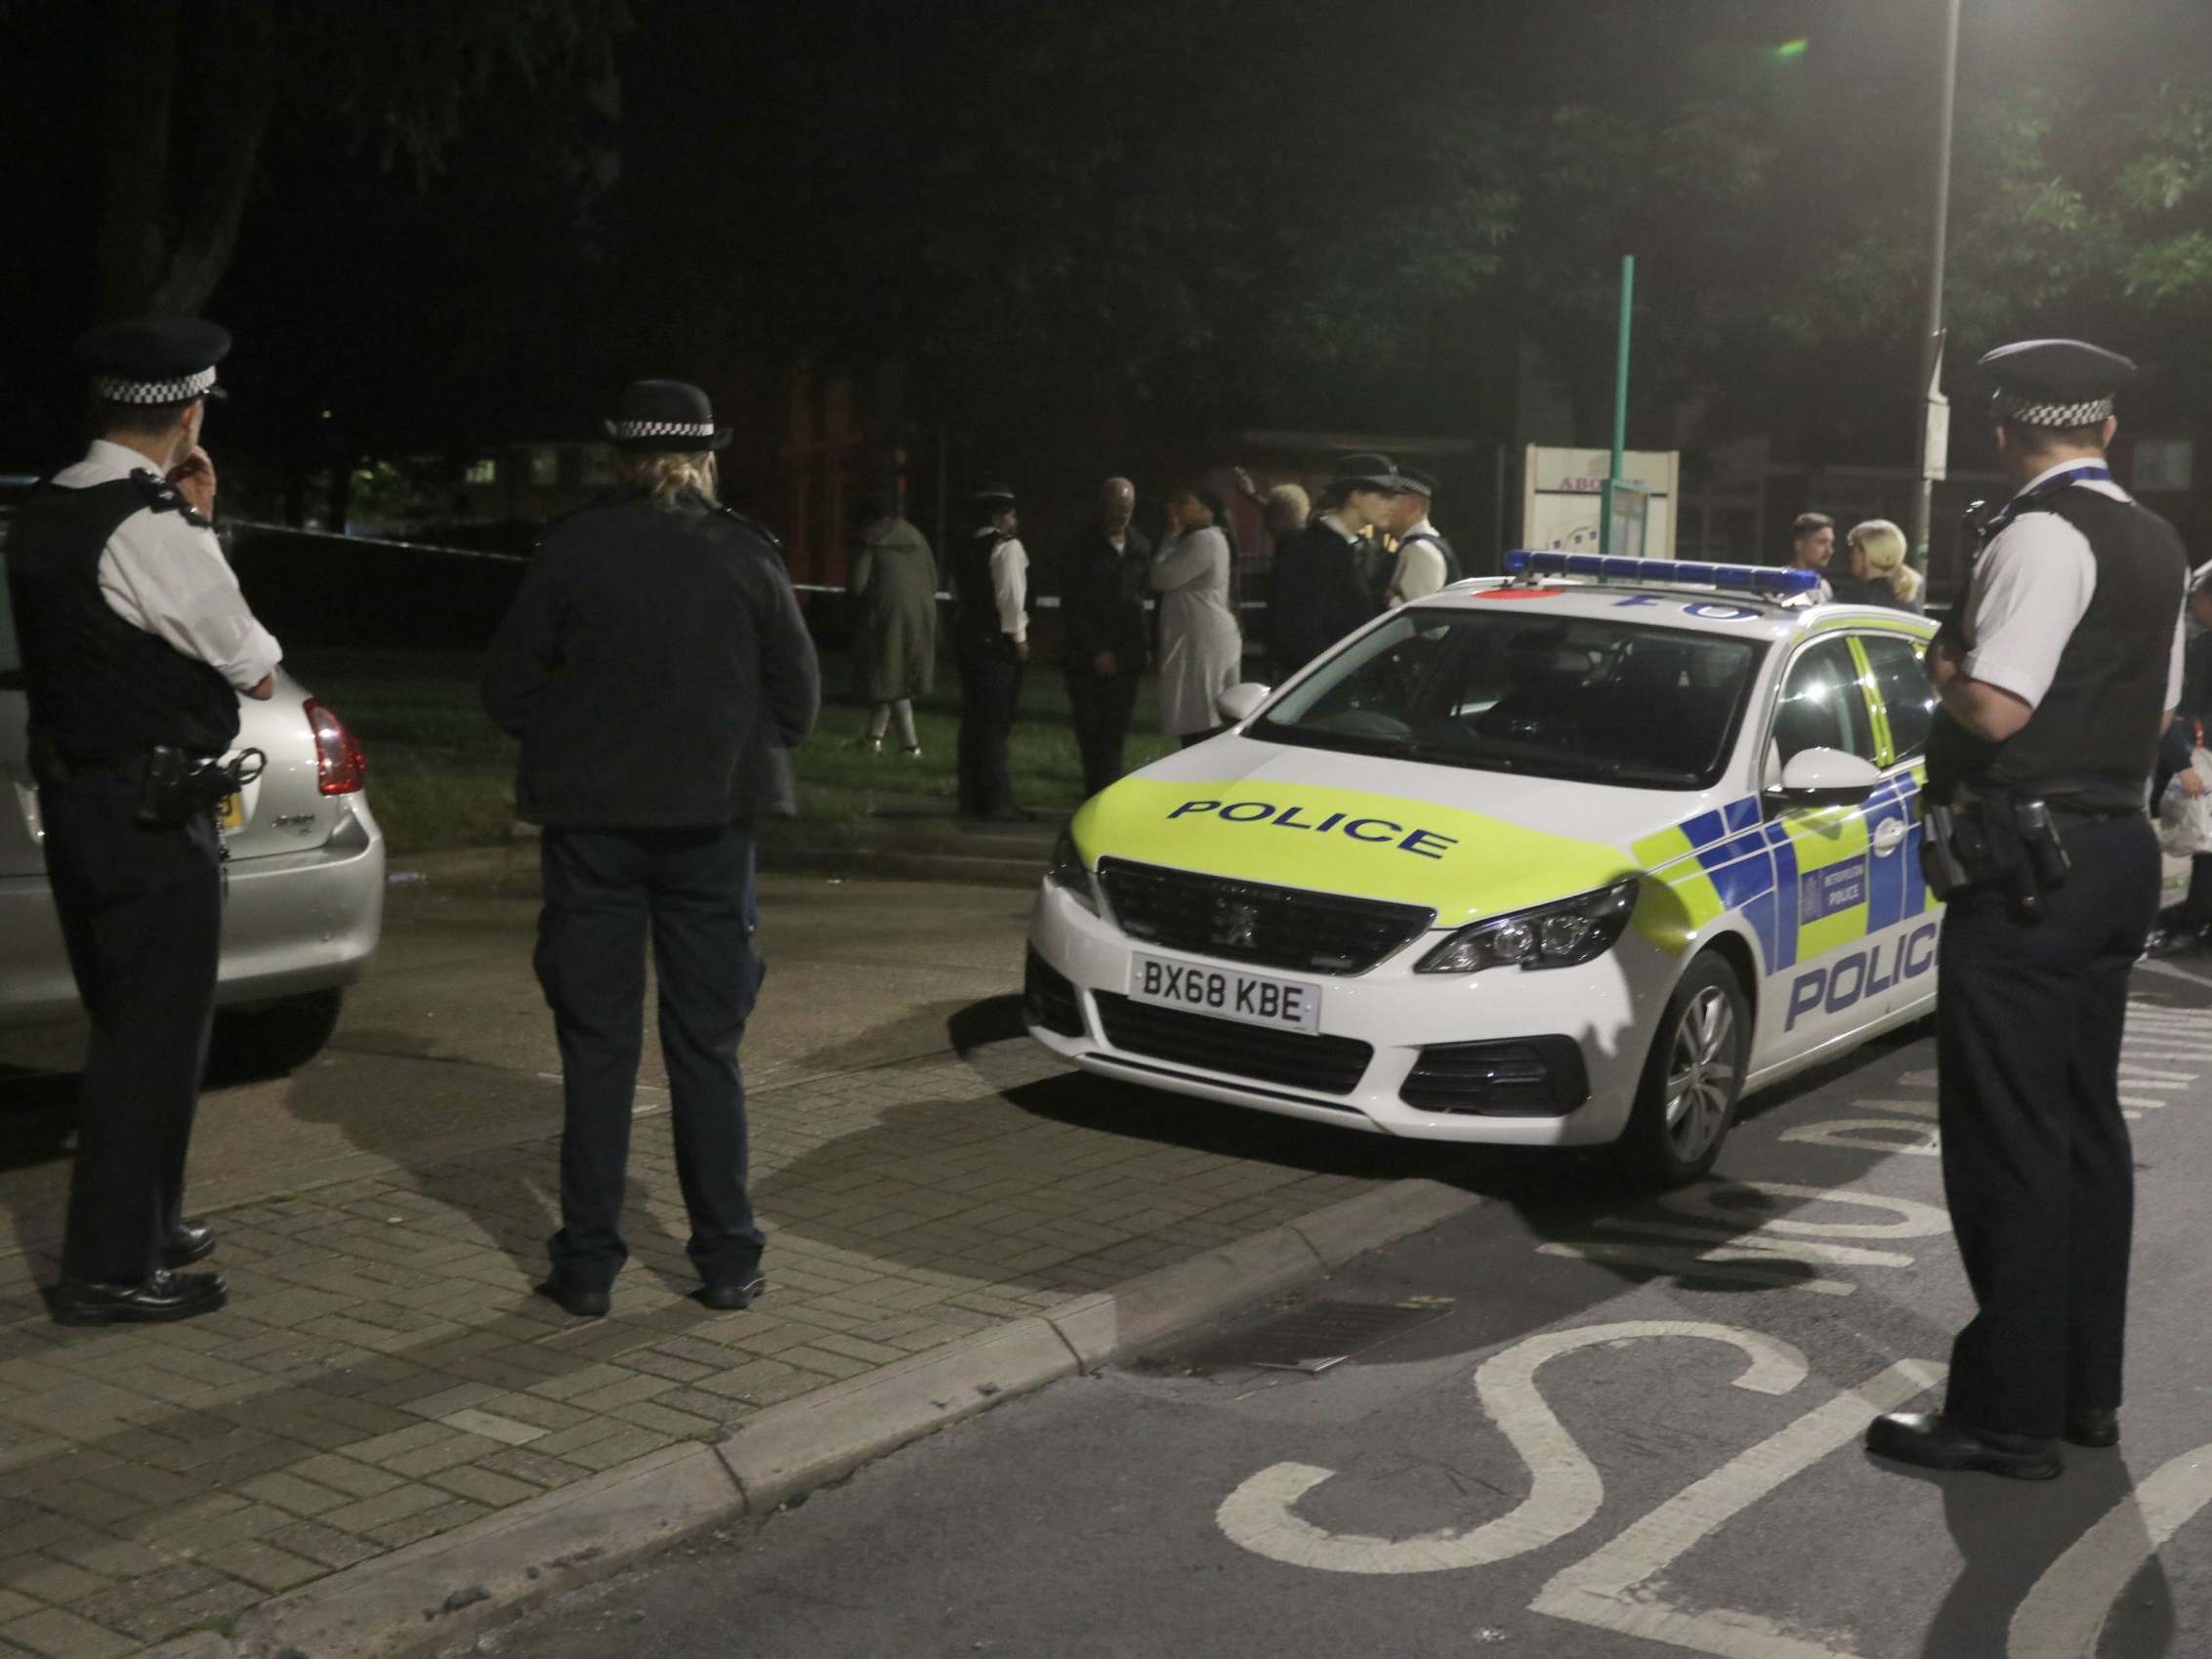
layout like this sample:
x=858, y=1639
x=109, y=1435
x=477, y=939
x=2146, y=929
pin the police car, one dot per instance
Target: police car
x=1575, y=857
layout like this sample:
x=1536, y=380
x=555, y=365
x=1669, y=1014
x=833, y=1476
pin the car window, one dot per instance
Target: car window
x=1822, y=706
x=1907, y=696
x=1498, y=689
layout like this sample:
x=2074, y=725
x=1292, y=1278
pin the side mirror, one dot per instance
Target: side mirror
x=1826, y=778
x=1242, y=701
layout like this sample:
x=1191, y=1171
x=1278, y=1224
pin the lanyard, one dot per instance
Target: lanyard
x=2086, y=473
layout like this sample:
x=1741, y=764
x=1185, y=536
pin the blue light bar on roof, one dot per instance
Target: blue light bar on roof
x=1741, y=578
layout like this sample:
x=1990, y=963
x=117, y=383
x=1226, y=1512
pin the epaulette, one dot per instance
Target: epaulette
x=753, y=524
x=162, y=496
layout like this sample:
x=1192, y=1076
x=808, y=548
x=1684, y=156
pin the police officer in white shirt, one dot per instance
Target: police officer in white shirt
x=1426, y=561
x=2056, y=677
x=990, y=592
x=137, y=646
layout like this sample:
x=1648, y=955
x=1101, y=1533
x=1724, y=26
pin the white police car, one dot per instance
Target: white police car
x=1571, y=857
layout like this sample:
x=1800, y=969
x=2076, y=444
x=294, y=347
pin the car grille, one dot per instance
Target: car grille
x=1275, y=927
x=1325, y=1065
x=1532, y=1077
x=1049, y=999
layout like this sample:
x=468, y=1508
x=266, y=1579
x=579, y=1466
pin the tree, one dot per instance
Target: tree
x=190, y=94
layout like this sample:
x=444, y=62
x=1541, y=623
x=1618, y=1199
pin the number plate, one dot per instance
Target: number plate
x=1282, y=1005
x=230, y=816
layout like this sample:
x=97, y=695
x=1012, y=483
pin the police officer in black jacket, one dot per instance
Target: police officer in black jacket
x=135, y=648
x=657, y=669
x=1103, y=587
x=1322, y=586
x=2056, y=677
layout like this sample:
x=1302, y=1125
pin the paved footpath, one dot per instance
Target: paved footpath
x=382, y=1375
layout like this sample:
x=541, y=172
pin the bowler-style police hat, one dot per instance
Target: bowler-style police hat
x=154, y=360
x=2054, y=383
x=996, y=498
x=664, y=417
x=1411, y=480
x=1366, y=472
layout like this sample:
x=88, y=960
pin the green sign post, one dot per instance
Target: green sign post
x=1623, y=502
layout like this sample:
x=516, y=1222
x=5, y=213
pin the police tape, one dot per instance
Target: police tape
x=1038, y=601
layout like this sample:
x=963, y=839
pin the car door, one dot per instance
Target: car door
x=34, y=973
x=1825, y=981
x=1900, y=907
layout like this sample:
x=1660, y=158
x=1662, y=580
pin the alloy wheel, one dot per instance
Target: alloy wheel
x=1701, y=1074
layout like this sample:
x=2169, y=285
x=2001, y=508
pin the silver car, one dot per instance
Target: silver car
x=306, y=876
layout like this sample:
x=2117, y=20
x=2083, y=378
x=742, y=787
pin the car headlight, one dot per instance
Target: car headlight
x=1067, y=872
x=1563, y=934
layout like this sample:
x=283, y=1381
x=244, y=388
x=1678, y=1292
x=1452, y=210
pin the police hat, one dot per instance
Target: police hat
x=1366, y=472
x=2055, y=383
x=154, y=360
x=1413, y=480
x=993, y=498
x=666, y=417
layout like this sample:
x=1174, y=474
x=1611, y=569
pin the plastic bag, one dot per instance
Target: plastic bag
x=2185, y=820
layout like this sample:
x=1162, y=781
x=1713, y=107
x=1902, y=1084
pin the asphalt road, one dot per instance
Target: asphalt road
x=447, y=1046
x=1608, y=1427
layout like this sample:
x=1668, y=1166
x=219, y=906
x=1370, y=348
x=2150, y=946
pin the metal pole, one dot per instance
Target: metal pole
x=1620, y=400
x=1931, y=341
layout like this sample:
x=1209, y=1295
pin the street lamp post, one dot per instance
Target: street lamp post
x=1932, y=409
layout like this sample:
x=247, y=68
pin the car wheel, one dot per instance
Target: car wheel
x=250, y=1044
x=1686, y=1101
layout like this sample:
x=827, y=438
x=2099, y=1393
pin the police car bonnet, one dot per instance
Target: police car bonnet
x=2054, y=383
x=154, y=360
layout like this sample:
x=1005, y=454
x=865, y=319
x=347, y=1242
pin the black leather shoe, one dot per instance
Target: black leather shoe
x=2097, y=1428
x=577, y=1300
x=1934, y=1441
x=192, y=1241
x=731, y=1294
x=164, y=1297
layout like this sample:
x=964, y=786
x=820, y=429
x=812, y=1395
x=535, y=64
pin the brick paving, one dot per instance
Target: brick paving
x=382, y=1374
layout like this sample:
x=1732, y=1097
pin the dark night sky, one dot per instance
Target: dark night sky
x=749, y=183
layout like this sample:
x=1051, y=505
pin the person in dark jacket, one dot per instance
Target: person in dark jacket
x=1103, y=587
x=657, y=669
x=1318, y=590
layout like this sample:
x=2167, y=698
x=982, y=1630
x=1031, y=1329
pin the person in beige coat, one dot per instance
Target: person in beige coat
x=1201, y=648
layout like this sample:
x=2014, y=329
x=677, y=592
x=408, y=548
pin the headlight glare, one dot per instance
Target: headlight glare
x=1069, y=874
x=1563, y=934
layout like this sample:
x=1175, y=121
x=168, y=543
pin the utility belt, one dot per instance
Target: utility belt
x=2003, y=839
x=174, y=785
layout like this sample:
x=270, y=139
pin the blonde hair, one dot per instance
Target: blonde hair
x=1289, y=503
x=667, y=477
x=1881, y=545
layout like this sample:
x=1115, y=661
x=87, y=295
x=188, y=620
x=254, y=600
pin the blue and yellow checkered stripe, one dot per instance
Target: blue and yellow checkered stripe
x=1806, y=884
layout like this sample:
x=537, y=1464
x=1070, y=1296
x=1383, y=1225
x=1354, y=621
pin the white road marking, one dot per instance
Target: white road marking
x=2064, y=1616
x=1870, y=1135
x=1565, y=1489
x=2143, y=1102
x=1612, y=1587
x=1914, y=1220
x=1791, y=1249
x=1705, y=1265
x=2141, y=1077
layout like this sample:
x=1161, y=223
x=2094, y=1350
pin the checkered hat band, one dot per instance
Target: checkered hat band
x=663, y=429
x=116, y=390
x=2013, y=406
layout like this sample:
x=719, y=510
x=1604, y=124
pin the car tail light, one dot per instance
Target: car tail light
x=340, y=766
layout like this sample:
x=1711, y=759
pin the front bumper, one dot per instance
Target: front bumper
x=1583, y=1031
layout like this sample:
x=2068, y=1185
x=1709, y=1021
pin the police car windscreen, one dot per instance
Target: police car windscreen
x=1574, y=697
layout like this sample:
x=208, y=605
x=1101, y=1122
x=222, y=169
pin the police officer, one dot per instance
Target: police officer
x=1426, y=561
x=2054, y=680
x=1319, y=590
x=657, y=669
x=137, y=646
x=990, y=596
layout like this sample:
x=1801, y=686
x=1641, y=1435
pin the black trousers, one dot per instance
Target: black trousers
x=2037, y=1167
x=991, y=691
x=1101, y=706
x=690, y=892
x=2195, y=908
x=141, y=918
